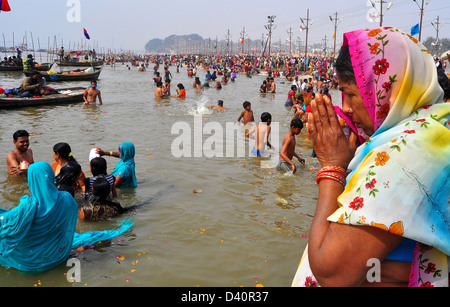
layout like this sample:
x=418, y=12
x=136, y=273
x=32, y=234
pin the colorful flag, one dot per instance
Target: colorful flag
x=415, y=30
x=86, y=34
x=4, y=6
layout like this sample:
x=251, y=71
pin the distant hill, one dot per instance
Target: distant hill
x=171, y=43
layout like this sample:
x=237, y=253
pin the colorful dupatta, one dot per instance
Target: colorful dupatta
x=399, y=179
x=126, y=167
x=39, y=233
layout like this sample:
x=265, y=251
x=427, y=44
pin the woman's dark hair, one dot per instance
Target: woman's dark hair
x=68, y=173
x=100, y=189
x=98, y=166
x=64, y=151
x=444, y=82
x=180, y=86
x=344, y=66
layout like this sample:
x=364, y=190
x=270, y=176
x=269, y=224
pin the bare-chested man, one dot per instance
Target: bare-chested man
x=218, y=107
x=159, y=90
x=20, y=158
x=288, y=147
x=272, y=87
x=91, y=94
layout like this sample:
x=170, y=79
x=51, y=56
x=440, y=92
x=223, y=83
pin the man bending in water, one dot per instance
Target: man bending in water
x=262, y=134
x=20, y=158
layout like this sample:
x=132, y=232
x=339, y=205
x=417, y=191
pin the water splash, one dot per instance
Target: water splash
x=200, y=106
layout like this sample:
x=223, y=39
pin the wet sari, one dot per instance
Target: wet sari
x=39, y=233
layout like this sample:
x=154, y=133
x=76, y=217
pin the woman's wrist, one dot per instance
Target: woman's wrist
x=335, y=173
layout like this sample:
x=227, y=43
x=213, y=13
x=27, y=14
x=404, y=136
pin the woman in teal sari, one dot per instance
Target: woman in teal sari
x=124, y=172
x=39, y=233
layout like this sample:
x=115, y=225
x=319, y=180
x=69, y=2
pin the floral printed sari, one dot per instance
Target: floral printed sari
x=399, y=179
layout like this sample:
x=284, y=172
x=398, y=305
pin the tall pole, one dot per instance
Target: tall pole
x=437, y=36
x=421, y=8
x=421, y=20
x=269, y=27
x=243, y=40
x=381, y=9
x=228, y=42
x=325, y=45
x=290, y=41
x=335, y=23
x=307, y=30
x=381, y=13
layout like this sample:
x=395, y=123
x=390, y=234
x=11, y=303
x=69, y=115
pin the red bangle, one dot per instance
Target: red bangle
x=335, y=173
x=336, y=169
x=331, y=177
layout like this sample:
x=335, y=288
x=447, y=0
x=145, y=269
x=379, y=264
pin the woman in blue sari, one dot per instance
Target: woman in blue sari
x=124, y=172
x=39, y=233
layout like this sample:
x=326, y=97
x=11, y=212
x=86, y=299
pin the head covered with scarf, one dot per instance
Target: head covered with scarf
x=39, y=233
x=399, y=178
x=126, y=167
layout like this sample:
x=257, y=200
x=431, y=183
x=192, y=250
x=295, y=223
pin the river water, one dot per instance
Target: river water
x=247, y=226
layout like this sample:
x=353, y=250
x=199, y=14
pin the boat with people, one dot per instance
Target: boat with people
x=40, y=67
x=63, y=96
x=89, y=74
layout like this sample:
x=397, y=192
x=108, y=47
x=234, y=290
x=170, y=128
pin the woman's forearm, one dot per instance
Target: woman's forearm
x=329, y=190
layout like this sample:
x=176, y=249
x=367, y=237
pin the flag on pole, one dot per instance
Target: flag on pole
x=4, y=6
x=334, y=35
x=86, y=34
x=415, y=30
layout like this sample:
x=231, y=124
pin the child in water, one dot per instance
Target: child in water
x=247, y=114
x=99, y=169
x=99, y=207
x=288, y=148
x=68, y=177
x=261, y=133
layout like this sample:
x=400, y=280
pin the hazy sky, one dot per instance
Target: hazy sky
x=131, y=24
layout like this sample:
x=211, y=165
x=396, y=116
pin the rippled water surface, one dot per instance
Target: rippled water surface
x=248, y=226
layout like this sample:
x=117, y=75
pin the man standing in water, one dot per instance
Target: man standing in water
x=91, y=94
x=20, y=158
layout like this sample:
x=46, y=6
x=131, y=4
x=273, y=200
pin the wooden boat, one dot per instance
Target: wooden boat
x=69, y=75
x=39, y=67
x=69, y=95
x=77, y=63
